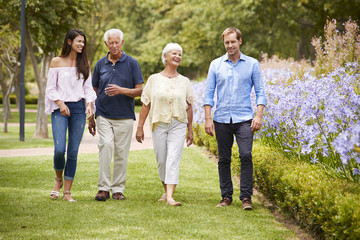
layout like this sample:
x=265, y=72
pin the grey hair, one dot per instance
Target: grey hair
x=113, y=31
x=170, y=47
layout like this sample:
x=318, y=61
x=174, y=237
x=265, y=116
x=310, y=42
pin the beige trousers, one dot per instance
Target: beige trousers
x=115, y=137
x=168, y=140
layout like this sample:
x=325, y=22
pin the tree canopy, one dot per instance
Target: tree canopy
x=276, y=27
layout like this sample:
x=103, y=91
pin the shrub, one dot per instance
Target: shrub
x=325, y=205
x=316, y=200
x=28, y=99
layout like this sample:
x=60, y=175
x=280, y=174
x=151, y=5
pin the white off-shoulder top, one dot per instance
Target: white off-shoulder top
x=63, y=84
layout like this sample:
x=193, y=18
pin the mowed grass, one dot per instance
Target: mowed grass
x=11, y=139
x=30, y=114
x=30, y=117
x=27, y=212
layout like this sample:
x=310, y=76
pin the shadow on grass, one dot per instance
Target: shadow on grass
x=27, y=212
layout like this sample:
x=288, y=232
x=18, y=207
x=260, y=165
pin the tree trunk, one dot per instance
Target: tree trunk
x=304, y=48
x=41, y=119
x=17, y=87
x=301, y=44
x=6, y=89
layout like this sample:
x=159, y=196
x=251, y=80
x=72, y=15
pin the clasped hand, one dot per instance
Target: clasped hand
x=113, y=90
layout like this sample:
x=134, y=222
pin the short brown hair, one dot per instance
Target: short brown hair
x=232, y=30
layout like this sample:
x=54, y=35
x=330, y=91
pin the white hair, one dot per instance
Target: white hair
x=113, y=31
x=170, y=47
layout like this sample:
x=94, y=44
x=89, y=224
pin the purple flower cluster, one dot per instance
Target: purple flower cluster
x=316, y=118
x=198, y=109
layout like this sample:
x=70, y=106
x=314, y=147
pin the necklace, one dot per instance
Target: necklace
x=169, y=75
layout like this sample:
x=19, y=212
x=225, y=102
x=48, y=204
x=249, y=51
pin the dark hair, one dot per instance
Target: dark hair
x=232, y=30
x=82, y=63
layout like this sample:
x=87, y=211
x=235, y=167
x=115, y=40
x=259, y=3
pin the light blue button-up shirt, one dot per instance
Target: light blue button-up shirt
x=233, y=84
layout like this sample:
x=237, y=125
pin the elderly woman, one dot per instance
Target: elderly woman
x=167, y=99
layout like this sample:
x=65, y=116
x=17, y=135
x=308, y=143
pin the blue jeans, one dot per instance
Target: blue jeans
x=60, y=125
x=244, y=138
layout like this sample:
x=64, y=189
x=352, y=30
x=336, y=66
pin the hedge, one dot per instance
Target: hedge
x=320, y=203
x=28, y=99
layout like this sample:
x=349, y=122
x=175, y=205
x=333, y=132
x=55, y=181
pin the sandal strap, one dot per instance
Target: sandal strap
x=58, y=179
x=67, y=192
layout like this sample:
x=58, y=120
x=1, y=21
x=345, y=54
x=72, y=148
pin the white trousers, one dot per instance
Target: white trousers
x=168, y=139
x=115, y=136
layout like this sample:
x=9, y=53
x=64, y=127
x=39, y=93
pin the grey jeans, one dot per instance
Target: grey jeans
x=244, y=138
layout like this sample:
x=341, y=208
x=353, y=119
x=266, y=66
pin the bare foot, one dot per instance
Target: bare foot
x=67, y=196
x=172, y=202
x=163, y=198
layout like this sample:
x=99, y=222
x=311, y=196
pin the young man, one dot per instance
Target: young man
x=234, y=75
x=117, y=79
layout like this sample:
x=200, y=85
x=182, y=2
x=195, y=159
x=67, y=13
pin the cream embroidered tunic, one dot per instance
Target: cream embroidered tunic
x=168, y=98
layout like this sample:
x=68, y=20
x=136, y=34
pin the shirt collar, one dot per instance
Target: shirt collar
x=121, y=59
x=242, y=57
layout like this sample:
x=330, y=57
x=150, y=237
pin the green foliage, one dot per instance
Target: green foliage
x=287, y=26
x=317, y=201
x=47, y=21
x=203, y=139
x=28, y=99
x=284, y=28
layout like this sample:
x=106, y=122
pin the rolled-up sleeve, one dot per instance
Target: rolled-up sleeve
x=210, y=86
x=258, y=85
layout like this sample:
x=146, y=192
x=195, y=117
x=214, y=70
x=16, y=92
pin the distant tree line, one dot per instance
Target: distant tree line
x=276, y=27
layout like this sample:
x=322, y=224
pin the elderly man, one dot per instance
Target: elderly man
x=233, y=75
x=117, y=79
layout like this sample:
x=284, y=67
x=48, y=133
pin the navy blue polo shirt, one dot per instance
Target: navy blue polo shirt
x=126, y=73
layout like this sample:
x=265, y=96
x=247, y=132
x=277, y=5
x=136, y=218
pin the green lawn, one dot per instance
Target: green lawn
x=30, y=117
x=27, y=212
x=11, y=140
x=27, y=106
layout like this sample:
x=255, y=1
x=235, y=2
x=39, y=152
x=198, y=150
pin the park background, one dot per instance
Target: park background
x=306, y=155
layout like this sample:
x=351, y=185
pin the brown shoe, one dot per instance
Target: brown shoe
x=224, y=202
x=246, y=204
x=118, y=196
x=102, y=195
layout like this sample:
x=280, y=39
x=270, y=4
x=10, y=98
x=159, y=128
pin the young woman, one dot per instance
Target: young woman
x=167, y=99
x=69, y=98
